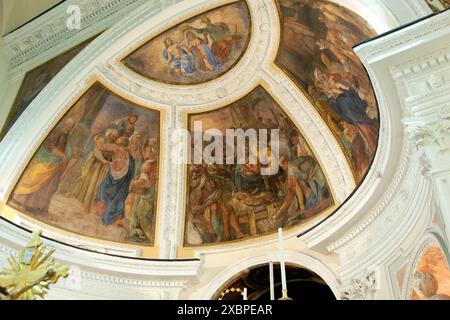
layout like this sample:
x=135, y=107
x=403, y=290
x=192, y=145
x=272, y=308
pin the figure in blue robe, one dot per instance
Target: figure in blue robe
x=351, y=107
x=113, y=194
x=178, y=58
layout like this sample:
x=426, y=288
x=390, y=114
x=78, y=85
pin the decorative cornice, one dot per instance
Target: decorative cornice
x=379, y=209
x=420, y=84
x=383, y=47
x=419, y=66
x=49, y=33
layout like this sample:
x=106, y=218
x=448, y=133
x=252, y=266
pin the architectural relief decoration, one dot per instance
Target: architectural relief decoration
x=147, y=279
x=360, y=289
x=39, y=36
x=367, y=243
x=428, y=112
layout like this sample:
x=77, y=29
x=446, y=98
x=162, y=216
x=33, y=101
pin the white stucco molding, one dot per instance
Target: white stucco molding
x=401, y=210
x=105, y=276
x=384, y=178
x=292, y=257
x=48, y=36
x=425, y=81
x=378, y=57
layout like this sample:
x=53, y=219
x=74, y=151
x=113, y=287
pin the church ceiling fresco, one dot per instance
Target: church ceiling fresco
x=198, y=50
x=227, y=202
x=36, y=80
x=316, y=52
x=96, y=172
x=431, y=280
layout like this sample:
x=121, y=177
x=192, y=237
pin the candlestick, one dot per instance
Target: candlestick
x=282, y=264
x=245, y=294
x=272, y=282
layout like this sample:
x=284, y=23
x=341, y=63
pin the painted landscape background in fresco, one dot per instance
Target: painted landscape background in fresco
x=198, y=50
x=316, y=51
x=96, y=172
x=35, y=81
x=231, y=202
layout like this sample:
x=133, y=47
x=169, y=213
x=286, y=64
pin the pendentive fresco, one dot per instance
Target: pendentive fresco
x=96, y=173
x=228, y=202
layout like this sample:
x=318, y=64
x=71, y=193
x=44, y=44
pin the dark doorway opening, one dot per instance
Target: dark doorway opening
x=303, y=285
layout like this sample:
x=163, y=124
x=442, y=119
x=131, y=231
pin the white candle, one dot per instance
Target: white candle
x=245, y=294
x=282, y=265
x=272, y=282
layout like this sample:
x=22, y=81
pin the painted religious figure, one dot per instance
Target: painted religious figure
x=316, y=52
x=35, y=81
x=198, y=50
x=227, y=202
x=431, y=279
x=96, y=172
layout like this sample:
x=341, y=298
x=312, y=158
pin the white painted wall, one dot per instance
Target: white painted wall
x=15, y=13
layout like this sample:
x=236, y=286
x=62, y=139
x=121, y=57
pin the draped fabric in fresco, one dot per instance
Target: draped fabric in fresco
x=231, y=202
x=36, y=80
x=438, y=5
x=198, y=50
x=96, y=172
x=431, y=280
x=316, y=51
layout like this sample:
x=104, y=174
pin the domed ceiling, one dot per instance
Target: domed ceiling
x=98, y=173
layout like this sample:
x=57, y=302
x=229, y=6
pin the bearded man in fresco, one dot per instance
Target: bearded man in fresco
x=178, y=58
x=41, y=179
x=126, y=126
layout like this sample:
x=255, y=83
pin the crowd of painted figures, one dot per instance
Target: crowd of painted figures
x=231, y=202
x=112, y=173
x=106, y=159
x=317, y=51
x=197, y=50
x=202, y=50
